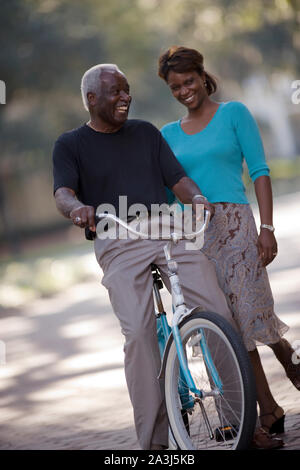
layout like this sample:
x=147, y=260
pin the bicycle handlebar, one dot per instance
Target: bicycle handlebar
x=173, y=236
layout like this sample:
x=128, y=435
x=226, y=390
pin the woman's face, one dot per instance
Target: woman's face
x=188, y=88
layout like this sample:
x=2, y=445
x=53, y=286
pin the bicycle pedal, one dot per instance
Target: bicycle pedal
x=225, y=433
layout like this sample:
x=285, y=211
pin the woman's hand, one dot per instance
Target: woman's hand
x=267, y=246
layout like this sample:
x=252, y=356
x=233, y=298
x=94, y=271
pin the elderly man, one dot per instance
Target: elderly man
x=109, y=156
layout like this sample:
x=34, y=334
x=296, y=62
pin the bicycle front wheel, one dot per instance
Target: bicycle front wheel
x=224, y=416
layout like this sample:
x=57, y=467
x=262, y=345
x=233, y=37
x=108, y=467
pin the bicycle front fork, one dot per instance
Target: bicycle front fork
x=180, y=311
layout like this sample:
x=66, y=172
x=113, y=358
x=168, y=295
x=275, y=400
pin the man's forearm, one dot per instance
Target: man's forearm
x=186, y=189
x=66, y=201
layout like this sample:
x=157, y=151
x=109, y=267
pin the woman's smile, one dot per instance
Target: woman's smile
x=189, y=99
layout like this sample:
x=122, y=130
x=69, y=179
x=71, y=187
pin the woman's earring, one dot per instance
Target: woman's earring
x=205, y=83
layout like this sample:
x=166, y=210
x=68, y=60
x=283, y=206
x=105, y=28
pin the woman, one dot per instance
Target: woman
x=211, y=142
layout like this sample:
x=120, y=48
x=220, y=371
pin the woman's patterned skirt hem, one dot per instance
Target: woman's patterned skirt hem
x=230, y=242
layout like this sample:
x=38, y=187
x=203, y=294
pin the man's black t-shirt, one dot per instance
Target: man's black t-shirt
x=134, y=161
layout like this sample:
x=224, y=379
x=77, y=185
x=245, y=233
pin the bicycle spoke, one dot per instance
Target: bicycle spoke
x=217, y=420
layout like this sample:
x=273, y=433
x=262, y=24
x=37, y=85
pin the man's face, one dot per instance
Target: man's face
x=113, y=102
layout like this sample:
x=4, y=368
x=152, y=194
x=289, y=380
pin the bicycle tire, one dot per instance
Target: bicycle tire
x=235, y=409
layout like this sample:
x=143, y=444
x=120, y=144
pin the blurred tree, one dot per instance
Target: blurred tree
x=238, y=36
x=48, y=44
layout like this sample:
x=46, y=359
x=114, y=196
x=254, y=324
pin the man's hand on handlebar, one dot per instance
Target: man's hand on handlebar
x=83, y=217
x=207, y=206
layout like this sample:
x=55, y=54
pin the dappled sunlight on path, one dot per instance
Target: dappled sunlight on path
x=63, y=384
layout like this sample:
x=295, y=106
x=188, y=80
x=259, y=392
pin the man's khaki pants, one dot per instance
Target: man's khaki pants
x=128, y=278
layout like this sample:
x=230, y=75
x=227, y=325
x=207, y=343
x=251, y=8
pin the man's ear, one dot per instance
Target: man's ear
x=91, y=97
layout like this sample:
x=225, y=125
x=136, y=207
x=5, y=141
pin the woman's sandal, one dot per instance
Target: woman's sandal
x=277, y=427
x=262, y=440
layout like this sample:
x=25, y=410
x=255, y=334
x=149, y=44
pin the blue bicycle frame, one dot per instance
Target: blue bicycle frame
x=186, y=383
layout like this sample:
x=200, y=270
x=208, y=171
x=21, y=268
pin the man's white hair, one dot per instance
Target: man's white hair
x=90, y=81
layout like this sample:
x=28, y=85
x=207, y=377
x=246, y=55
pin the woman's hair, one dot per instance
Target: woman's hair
x=182, y=59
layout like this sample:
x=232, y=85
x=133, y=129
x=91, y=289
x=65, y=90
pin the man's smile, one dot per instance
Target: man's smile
x=122, y=109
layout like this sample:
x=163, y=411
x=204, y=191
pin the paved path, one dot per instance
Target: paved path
x=63, y=384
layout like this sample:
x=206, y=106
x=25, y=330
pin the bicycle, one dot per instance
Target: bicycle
x=207, y=409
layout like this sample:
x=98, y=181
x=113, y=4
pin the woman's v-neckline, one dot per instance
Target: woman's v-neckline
x=204, y=128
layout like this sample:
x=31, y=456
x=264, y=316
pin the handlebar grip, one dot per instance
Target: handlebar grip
x=89, y=234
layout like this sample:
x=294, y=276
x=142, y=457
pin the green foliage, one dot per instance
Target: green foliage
x=48, y=44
